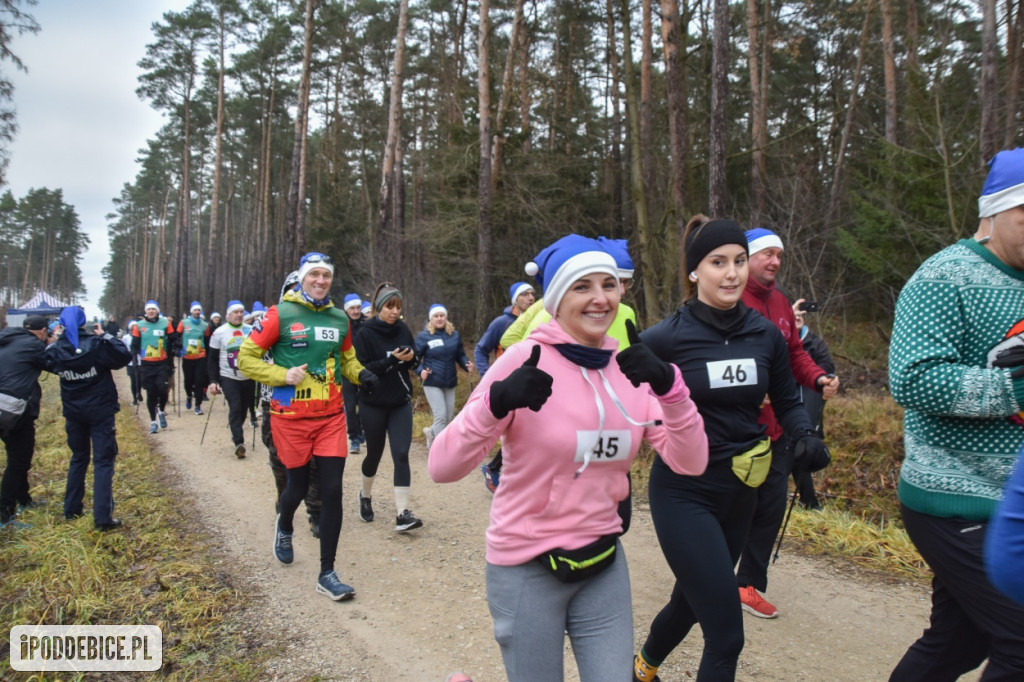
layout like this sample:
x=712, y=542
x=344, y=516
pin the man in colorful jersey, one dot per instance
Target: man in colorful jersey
x=195, y=337
x=222, y=364
x=156, y=341
x=312, y=346
x=762, y=295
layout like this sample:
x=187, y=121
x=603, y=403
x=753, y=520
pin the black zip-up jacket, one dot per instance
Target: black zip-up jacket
x=21, y=361
x=373, y=344
x=86, y=384
x=719, y=369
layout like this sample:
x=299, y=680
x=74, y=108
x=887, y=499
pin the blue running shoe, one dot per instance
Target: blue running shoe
x=154, y=427
x=188, y=403
x=329, y=584
x=282, y=544
x=162, y=417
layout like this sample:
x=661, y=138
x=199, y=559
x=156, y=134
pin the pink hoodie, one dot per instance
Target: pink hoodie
x=550, y=495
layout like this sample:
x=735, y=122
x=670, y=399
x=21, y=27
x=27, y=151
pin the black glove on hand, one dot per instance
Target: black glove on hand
x=527, y=386
x=810, y=453
x=369, y=380
x=641, y=365
x=1011, y=358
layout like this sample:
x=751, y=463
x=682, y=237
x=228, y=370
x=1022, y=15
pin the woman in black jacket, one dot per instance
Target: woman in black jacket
x=730, y=357
x=385, y=347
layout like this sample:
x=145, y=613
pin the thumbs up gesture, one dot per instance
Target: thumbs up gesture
x=527, y=386
x=641, y=365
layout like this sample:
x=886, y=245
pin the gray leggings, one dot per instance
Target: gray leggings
x=442, y=406
x=532, y=611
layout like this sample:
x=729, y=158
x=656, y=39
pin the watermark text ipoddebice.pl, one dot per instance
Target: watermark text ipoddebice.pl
x=86, y=647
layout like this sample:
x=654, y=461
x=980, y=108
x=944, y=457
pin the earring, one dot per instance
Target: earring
x=693, y=276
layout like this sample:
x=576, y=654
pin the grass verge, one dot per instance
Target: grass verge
x=160, y=569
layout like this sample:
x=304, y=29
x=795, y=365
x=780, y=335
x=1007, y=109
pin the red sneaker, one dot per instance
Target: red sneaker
x=754, y=603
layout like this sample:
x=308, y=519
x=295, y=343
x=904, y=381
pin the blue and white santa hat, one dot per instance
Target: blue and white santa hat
x=1004, y=186
x=761, y=238
x=152, y=305
x=353, y=300
x=619, y=248
x=437, y=308
x=234, y=305
x=314, y=259
x=367, y=308
x=517, y=289
x=196, y=306
x=571, y=257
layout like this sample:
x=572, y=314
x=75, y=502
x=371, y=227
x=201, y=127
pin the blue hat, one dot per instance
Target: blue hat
x=258, y=307
x=314, y=259
x=517, y=289
x=761, y=238
x=1004, y=186
x=352, y=300
x=195, y=304
x=571, y=257
x=71, y=318
x=234, y=305
x=437, y=308
x=619, y=248
x=152, y=304
x=366, y=309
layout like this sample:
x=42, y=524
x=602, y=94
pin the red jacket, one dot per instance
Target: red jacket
x=774, y=305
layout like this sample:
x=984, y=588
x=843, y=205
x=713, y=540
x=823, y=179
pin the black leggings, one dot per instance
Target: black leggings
x=156, y=380
x=193, y=373
x=395, y=425
x=330, y=470
x=702, y=523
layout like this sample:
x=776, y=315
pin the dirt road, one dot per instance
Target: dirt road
x=420, y=610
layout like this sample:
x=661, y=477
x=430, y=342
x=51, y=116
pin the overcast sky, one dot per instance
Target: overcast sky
x=80, y=122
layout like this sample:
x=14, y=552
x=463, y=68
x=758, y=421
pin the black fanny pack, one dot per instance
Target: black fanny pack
x=572, y=565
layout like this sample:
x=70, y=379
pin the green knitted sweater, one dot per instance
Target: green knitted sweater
x=961, y=428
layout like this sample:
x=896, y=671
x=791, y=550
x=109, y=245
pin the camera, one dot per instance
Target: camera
x=809, y=307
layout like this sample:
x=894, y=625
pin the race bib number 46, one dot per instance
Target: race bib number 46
x=326, y=334
x=604, y=446
x=732, y=373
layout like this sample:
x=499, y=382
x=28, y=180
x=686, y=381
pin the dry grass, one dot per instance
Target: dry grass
x=160, y=569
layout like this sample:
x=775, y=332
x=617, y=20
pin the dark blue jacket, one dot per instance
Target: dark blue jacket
x=86, y=384
x=439, y=352
x=21, y=361
x=718, y=371
x=491, y=340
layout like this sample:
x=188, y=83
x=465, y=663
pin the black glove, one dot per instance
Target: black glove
x=810, y=453
x=527, y=386
x=369, y=380
x=1011, y=357
x=641, y=365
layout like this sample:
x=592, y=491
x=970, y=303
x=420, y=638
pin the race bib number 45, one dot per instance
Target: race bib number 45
x=732, y=373
x=604, y=446
x=326, y=334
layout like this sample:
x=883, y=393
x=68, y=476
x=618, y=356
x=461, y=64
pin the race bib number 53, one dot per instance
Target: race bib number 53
x=326, y=334
x=732, y=373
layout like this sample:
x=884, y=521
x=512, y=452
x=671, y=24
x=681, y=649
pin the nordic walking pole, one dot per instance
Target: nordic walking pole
x=209, y=411
x=257, y=399
x=782, y=533
x=181, y=387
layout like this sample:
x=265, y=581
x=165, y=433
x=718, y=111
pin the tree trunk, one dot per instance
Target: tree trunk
x=989, y=135
x=675, y=84
x=889, y=58
x=392, y=151
x=483, y=250
x=851, y=107
x=498, y=145
x=1013, y=75
x=615, y=171
x=296, y=239
x=210, y=287
x=646, y=95
x=718, y=138
x=648, y=270
x=756, y=37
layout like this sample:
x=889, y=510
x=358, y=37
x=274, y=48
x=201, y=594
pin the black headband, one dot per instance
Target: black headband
x=708, y=237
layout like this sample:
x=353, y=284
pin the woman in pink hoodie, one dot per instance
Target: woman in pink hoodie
x=553, y=538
